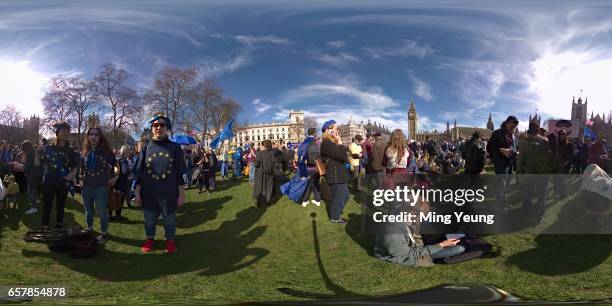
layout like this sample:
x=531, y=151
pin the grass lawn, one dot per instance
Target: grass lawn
x=231, y=251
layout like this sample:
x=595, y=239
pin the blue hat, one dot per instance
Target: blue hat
x=327, y=124
x=161, y=115
x=61, y=126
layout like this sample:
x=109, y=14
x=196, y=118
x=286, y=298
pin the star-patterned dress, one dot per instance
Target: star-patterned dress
x=98, y=168
x=159, y=172
x=57, y=162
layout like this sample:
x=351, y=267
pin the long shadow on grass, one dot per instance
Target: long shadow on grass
x=563, y=254
x=569, y=245
x=212, y=252
x=329, y=284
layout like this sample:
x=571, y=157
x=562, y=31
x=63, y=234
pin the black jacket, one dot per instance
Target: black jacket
x=335, y=158
x=498, y=140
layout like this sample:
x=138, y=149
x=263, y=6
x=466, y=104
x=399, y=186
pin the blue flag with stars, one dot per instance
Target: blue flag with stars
x=226, y=133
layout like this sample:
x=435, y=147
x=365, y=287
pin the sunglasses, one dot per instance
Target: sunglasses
x=159, y=125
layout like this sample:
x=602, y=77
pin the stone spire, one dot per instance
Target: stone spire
x=490, y=125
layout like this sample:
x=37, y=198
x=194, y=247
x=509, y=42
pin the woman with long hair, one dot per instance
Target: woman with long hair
x=33, y=175
x=335, y=157
x=98, y=166
x=59, y=163
x=399, y=163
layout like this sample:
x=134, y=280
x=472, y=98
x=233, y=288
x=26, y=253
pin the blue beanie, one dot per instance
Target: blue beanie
x=327, y=124
x=161, y=115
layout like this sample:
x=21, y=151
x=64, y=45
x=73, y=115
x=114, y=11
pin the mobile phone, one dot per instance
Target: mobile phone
x=455, y=236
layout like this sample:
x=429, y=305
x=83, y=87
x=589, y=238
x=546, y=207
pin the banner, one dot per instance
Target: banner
x=571, y=127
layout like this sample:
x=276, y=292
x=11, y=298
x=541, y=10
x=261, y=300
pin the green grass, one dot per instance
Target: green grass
x=231, y=251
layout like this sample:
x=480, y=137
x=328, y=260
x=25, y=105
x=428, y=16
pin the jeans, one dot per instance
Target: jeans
x=340, y=195
x=252, y=173
x=448, y=252
x=314, y=186
x=151, y=216
x=224, y=169
x=187, y=177
x=33, y=195
x=501, y=176
x=60, y=193
x=97, y=196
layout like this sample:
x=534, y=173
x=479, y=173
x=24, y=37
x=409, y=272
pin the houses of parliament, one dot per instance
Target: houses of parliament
x=600, y=124
x=450, y=134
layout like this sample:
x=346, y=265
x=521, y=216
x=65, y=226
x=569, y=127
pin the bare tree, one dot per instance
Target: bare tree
x=171, y=91
x=10, y=116
x=309, y=122
x=203, y=98
x=80, y=95
x=223, y=111
x=55, y=106
x=125, y=109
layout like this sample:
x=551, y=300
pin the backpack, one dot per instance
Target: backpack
x=81, y=246
x=311, y=158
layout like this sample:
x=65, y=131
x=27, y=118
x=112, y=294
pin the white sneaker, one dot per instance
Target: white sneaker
x=31, y=211
x=304, y=204
x=315, y=202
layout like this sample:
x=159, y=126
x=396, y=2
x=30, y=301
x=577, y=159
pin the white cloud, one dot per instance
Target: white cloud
x=336, y=44
x=267, y=39
x=87, y=20
x=558, y=77
x=426, y=123
x=408, y=48
x=229, y=65
x=420, y=88
x=372, y=99
x=339, y=60
x=259, y=106
x=342, y=102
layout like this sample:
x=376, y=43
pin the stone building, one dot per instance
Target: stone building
x=350, y=130
x=29, y=130
x=450, y=134
x=291, y=131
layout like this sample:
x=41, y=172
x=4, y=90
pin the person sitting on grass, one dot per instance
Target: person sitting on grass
x=160, y=187
x=400, y=243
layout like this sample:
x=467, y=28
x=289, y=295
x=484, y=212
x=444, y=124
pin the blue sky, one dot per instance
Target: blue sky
x=365, y=60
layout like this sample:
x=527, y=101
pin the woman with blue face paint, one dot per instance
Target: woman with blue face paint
x=160, y=188
x=98, y=164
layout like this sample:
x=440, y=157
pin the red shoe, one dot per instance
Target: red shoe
x=147, y=246
x=170, y=246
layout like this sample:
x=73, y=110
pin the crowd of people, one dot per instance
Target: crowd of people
x=155, y=174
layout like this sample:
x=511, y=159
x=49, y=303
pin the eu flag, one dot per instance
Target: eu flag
x=589, y=134
x=226, y=133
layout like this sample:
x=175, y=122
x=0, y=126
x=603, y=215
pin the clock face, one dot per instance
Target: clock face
x=159, y=165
